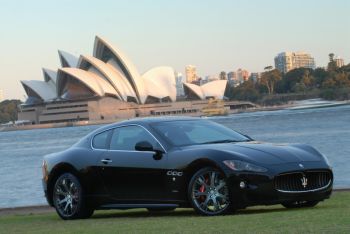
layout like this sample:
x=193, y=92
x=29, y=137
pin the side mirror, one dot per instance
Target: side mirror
x=144, y=146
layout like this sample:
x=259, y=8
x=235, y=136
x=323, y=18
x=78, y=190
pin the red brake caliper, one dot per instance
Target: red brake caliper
x=202, y=189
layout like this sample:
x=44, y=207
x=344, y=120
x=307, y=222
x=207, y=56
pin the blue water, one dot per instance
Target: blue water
x=327, y=129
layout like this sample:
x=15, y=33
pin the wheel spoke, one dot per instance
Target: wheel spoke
x=63, y=200
x=212, y=179
x=221, y=185
x=59, y=191
x=64, y=183
x=201, y=181
x=65, y=208
x=205, y=203
x=216, y=204
x=198, y=194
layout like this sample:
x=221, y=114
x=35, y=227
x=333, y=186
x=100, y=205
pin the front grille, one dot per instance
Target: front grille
x=303, y=181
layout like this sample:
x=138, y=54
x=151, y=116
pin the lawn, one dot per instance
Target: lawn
x=331, y=216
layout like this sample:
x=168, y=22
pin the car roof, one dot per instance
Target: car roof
x=146, y=120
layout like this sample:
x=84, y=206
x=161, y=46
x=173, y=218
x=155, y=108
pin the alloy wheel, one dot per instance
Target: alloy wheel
x=209, y=192
x=66, y=196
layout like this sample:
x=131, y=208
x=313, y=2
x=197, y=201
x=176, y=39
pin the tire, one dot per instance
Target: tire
x=69, y=199
x=161, y=209
x=300, y=204
x=208, y=192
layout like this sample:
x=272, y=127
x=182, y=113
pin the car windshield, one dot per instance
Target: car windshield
x=194, y=132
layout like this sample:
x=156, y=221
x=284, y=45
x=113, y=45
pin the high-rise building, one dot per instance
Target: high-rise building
x=287, y=61
x=191, y=73
x=179, y=84
x=242, y=75
x=339, y=62
x=255, y=76
x=232, y=78
x=1, y=95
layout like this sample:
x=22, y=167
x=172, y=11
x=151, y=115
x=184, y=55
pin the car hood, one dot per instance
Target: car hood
x=267, y=153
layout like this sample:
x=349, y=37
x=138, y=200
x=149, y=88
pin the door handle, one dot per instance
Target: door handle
x=106, y=160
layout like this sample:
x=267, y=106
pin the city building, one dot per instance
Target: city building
x=255, y=76
x=242, y=75
x=232, y=78
x=339, y=62
x=287, y=61
x=1, y=95
x=179, y=84
x=191, y=74
x=106, y=87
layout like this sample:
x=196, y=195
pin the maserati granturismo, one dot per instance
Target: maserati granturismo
x=165, y=163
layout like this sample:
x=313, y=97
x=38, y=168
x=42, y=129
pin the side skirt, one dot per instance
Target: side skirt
x=134, y=206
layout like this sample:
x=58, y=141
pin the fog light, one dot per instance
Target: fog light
x=242, y=184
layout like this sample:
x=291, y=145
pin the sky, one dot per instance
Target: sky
x=214, y=35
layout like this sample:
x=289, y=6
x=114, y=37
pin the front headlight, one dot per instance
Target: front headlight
x=237, y=165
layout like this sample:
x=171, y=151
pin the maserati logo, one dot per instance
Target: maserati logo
x=304, y=181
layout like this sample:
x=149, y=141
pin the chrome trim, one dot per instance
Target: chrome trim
x=127, y=125
x=306, y=191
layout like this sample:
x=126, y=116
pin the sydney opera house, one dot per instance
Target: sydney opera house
x=108, y=86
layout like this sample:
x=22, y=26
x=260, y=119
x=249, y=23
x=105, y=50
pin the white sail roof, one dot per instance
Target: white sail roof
x=49, y=75
x=113, y=76
x=214, y=88
x=67, y=59
x=114, y=56
x=42, y=89
x=160, y=82
x=95, y=83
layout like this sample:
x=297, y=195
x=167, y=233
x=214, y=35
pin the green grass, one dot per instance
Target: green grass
x=330, y=216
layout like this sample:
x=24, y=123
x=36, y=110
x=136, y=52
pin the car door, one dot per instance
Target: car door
x=131, y=175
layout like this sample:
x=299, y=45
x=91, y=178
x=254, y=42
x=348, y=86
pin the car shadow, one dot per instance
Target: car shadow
x=190, y=212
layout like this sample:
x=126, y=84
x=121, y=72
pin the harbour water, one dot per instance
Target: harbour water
x=327, y=129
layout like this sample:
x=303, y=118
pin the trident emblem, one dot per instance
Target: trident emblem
x=304, y=181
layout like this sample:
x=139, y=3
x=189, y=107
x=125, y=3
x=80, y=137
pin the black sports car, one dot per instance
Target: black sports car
x=165, y=163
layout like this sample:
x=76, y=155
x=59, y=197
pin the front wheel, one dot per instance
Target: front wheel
x=208, y=192
x=68, y=198
x=300, y=204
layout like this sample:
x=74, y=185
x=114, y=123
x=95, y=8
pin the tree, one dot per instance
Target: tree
x=9, y=110
x=308, y=80
x=270, y=78
x=332, y=65
x=268, y=68
x=247, y=91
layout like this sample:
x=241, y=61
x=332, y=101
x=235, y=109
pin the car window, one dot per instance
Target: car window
x=125, y=138
x=101, y=140
x=181, y=133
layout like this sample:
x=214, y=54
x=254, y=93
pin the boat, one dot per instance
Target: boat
x=215, y=107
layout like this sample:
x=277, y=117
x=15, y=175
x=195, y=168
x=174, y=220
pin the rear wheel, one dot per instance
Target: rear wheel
x=208, y=192
x=68, y=198
x=300, y=204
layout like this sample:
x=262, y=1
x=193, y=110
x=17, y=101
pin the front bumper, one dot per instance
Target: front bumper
x=260, y=188
x=44, y=184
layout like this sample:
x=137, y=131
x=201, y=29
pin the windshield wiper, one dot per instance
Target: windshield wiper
x=220, y=141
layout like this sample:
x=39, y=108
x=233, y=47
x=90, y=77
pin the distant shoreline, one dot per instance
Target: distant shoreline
x=87, y=123
x=290, y=106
